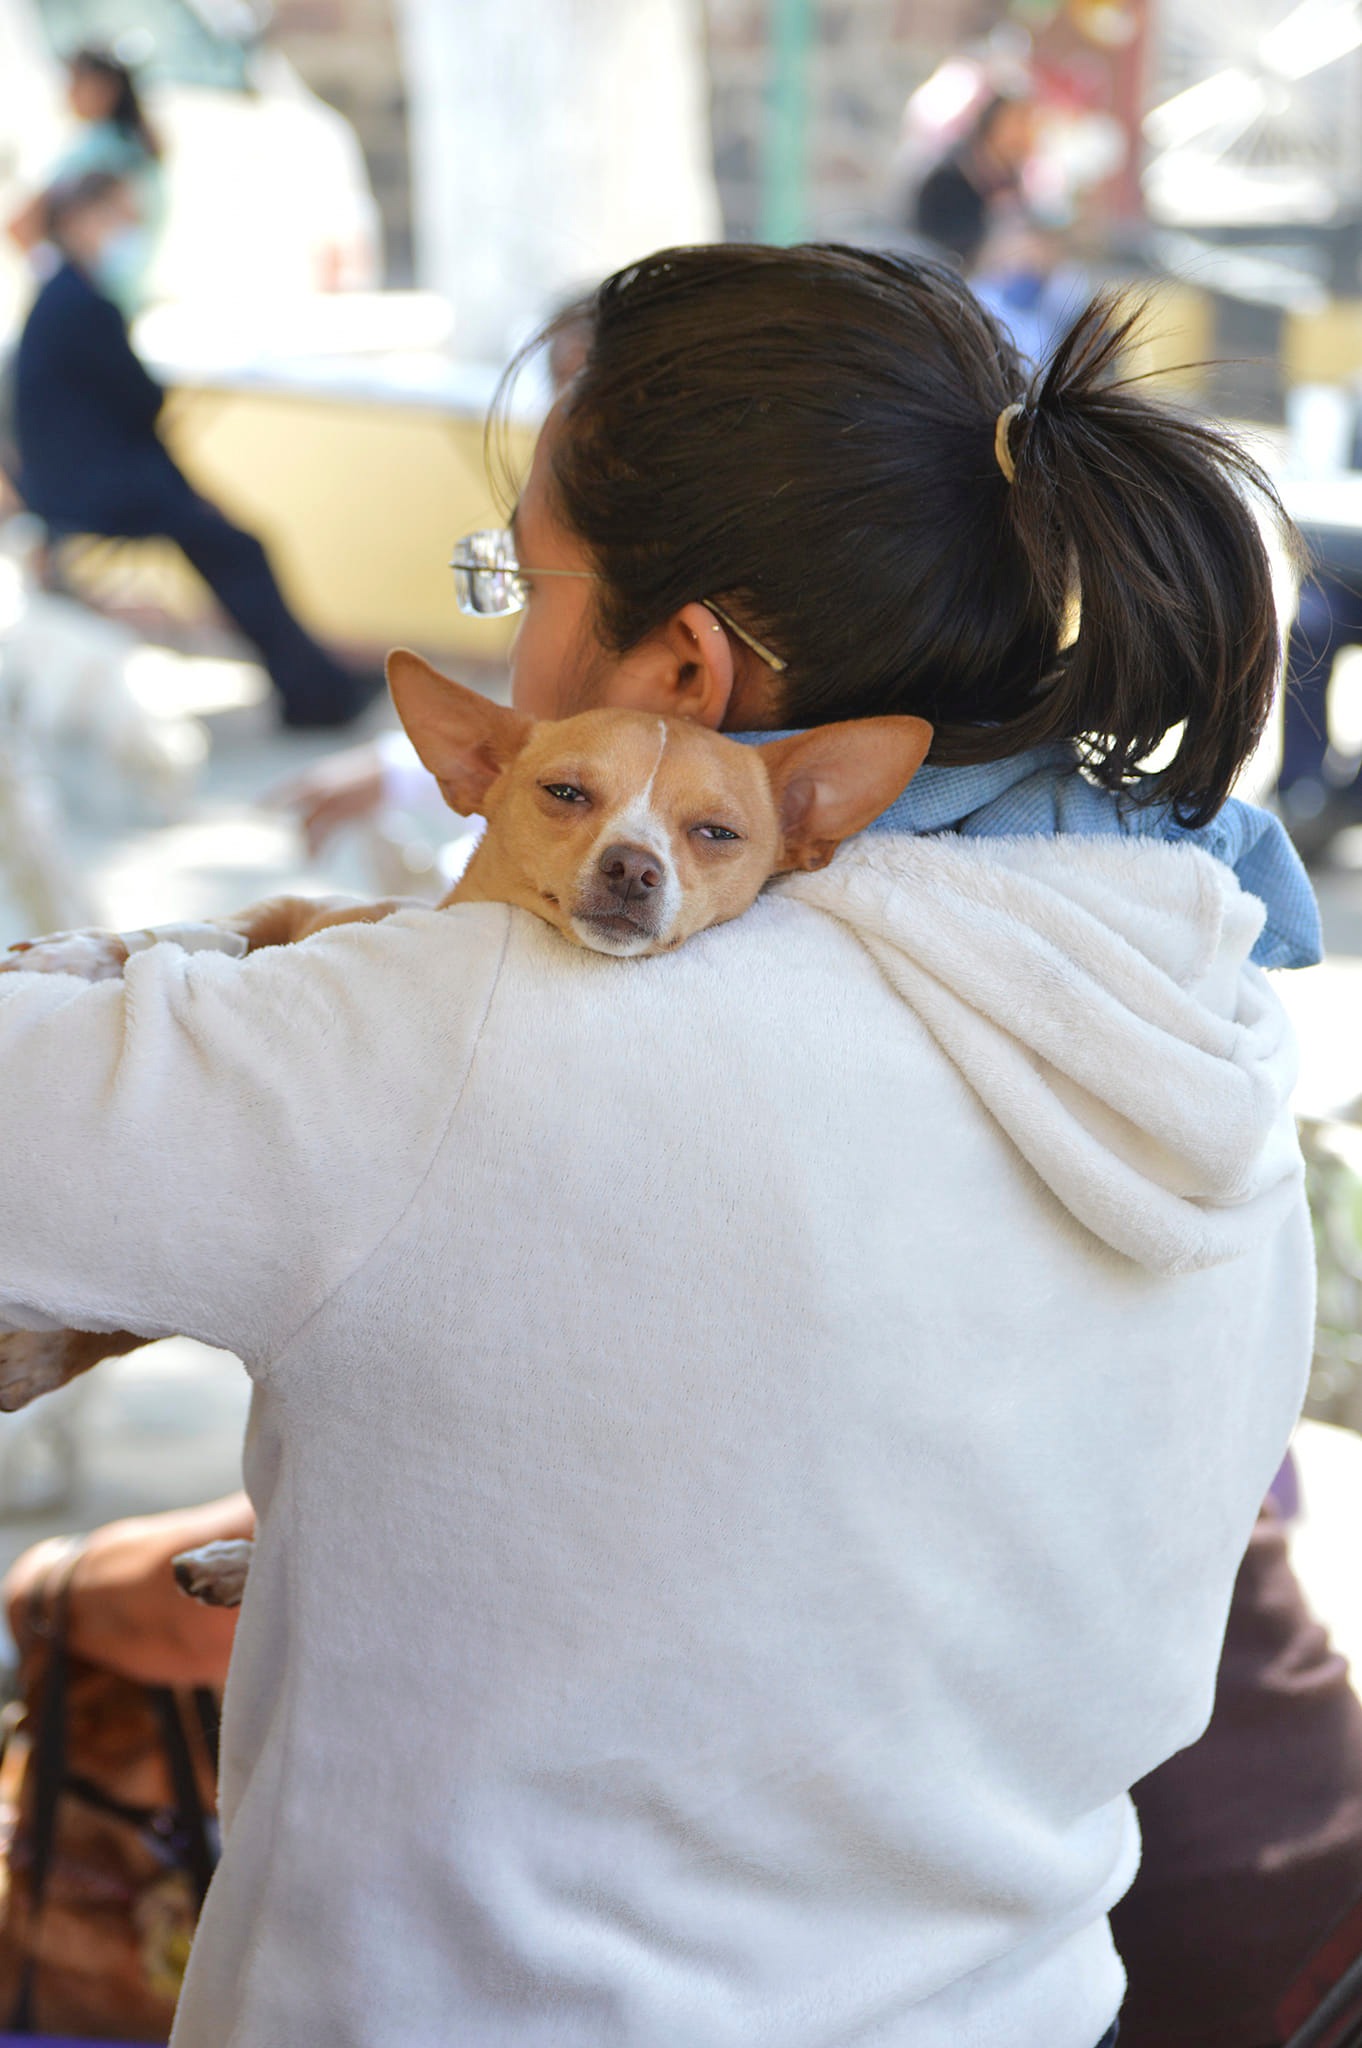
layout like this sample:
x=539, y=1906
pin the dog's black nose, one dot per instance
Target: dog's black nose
x=630, y=872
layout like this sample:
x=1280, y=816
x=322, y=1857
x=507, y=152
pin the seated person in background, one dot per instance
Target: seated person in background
x=91, y=460
x=1319, y=793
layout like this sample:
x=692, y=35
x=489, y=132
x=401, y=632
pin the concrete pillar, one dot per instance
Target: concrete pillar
x=551, y=141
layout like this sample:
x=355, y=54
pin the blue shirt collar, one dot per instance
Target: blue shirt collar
x=1045, y=792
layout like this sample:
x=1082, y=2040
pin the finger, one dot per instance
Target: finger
x=285, y=796
x=318, y=826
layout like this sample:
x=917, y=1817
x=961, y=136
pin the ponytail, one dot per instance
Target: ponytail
x=810, y=437
x=1145, y=518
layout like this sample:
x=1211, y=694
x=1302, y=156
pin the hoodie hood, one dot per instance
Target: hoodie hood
x=1098, y=998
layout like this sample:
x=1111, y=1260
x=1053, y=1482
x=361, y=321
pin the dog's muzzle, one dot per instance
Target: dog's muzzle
x=620, y=910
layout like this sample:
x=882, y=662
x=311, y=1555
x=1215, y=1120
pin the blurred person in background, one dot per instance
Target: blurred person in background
x=1032, y=285
x=355, y=787
x=91, y=460
x=973, y=207
x=116, y=137
x=978, y=184
x=1251, y=1839
x=1319, y=793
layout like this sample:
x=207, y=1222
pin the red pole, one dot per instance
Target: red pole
x=1130, y=84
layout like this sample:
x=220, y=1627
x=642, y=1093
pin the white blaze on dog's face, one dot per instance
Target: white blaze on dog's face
x=631, y=832
x=635, y=832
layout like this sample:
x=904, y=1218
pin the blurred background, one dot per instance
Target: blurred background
x=350, y=213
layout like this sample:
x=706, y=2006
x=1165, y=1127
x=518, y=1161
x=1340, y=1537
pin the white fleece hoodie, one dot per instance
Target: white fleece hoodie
x=752, y=1447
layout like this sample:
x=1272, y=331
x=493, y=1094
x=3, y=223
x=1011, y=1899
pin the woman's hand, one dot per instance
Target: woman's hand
x=339, y=791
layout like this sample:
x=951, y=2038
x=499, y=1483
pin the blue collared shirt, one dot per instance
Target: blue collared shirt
x=1044, y=792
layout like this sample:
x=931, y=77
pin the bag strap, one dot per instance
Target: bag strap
x=191, y=1822
x=1336, y=2021
x=1339, y=2009
x=207, y=1707
x=46, y=1618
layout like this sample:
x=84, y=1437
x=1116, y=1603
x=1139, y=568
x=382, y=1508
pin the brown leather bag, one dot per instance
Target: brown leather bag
x=107, y=1837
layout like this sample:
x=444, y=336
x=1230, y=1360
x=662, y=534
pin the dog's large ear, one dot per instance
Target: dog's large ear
x=463, y=738
x=833, y=780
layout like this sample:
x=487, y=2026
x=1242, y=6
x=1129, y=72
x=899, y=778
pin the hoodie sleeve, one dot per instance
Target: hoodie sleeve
x=211, y=1146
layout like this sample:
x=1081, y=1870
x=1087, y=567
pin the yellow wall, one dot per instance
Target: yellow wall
x=1324, y=347
x=1176, y=338
x=358, y=504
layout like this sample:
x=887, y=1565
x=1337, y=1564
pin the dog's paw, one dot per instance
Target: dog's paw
x=216, y=1572
x=92, y=956
x=32, y=1362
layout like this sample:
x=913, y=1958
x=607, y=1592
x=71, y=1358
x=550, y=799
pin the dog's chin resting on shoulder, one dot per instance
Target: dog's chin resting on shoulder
x=627, y=832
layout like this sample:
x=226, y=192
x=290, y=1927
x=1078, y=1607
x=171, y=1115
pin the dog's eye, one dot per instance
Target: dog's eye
x=566, y=792
x=716, y=832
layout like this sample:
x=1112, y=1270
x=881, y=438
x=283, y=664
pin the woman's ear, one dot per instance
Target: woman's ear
x=463, y=738
x=706, y=667
x=832, y=781
x=685, y=668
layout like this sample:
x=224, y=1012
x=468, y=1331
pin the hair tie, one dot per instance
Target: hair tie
x=1001, y=449
x=1072, y=614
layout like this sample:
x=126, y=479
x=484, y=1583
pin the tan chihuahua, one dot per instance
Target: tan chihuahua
x=627, y=832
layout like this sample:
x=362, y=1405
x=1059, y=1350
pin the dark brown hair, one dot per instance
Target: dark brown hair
x=807, y=435
x=127, y=112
